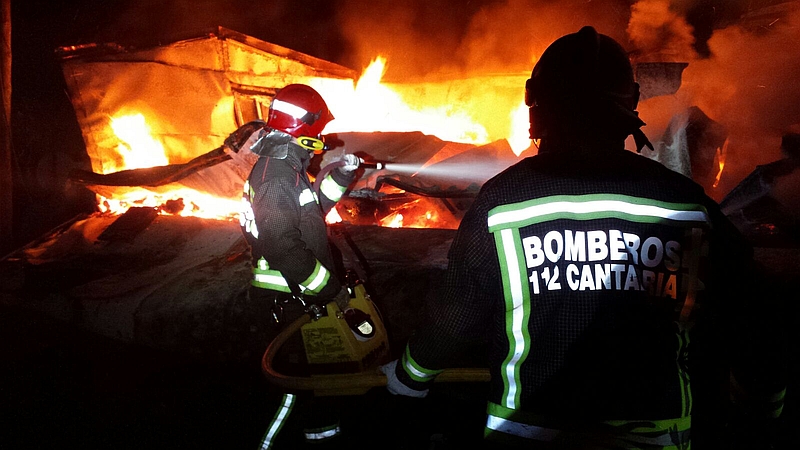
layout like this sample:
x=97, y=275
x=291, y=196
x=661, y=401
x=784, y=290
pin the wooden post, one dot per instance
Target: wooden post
x=6, y=178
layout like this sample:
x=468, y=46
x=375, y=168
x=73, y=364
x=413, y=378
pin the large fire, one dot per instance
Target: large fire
x=365, y=106
x=470, y=116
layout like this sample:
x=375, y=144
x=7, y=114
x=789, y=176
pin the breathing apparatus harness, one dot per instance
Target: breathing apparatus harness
x=275, y=144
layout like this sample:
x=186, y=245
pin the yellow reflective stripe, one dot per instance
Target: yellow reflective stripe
x=522, y=430
x=320, y=434
x=502, y=423
x=275, y=283
x=247, y=218
x=277, y=422
x=774, y=404
x=777, y=397
x=415, y=371
x=306, y=197
x=595, y=206
x=517, y=296
x=331, y=189
x=649, y=426
x=683, y=377
x=265, y=278
x=317, y=280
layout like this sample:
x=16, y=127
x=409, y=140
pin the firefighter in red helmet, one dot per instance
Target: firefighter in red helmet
x=283, y=221
x=609, y=288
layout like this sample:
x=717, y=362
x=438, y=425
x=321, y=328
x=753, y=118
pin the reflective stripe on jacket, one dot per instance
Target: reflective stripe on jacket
x=583, y=275
x=283, y=220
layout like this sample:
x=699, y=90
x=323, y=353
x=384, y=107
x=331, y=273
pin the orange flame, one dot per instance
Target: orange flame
x=138, y=149
x=471, y=110
x=720, y=157
x=393, y=220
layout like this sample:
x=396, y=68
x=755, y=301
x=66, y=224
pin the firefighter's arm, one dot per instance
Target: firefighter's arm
x=277, y=212
x=398, y=387
x=457, y=320
x=336, y=182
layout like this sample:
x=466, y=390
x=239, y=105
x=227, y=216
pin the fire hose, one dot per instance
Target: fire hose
x=346, y=381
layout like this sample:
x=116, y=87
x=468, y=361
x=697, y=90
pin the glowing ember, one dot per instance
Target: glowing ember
x=177, y=202
x=393, y=220
x=138, y=149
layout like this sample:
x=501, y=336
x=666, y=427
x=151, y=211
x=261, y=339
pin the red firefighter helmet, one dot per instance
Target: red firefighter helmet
x=299, y=110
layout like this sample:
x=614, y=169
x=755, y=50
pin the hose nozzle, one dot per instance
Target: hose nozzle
x=372, y=164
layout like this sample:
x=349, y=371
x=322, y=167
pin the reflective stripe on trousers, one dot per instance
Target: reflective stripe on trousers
x=661, y=434
x=321, y=434
x=277, y=422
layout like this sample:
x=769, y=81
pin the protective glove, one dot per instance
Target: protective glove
x=351, y=163
x=395, y=386
x=342, y=299
x=236, y=140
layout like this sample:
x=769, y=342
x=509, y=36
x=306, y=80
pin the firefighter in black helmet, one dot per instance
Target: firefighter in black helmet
x=596, y=275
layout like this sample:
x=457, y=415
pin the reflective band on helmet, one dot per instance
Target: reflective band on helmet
x=306, y=197
x=331, y=189
x=317, y=280
x=288, y=108
x=320, y=434
x=415, y=371
x=277, y=422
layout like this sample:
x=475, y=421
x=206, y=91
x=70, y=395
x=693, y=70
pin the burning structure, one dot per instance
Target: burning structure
x=174, y=105
x=153, y=120
x=163, y=262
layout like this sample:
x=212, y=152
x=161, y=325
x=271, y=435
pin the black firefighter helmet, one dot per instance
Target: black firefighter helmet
x=584, y=83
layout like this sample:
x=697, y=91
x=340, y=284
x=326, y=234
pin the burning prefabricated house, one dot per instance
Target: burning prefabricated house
x=163, y=263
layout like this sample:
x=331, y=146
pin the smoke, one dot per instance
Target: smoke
x=308, y=27
x=748, y=84
x=659, y=33
x=429, y=37
x=746, y=80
